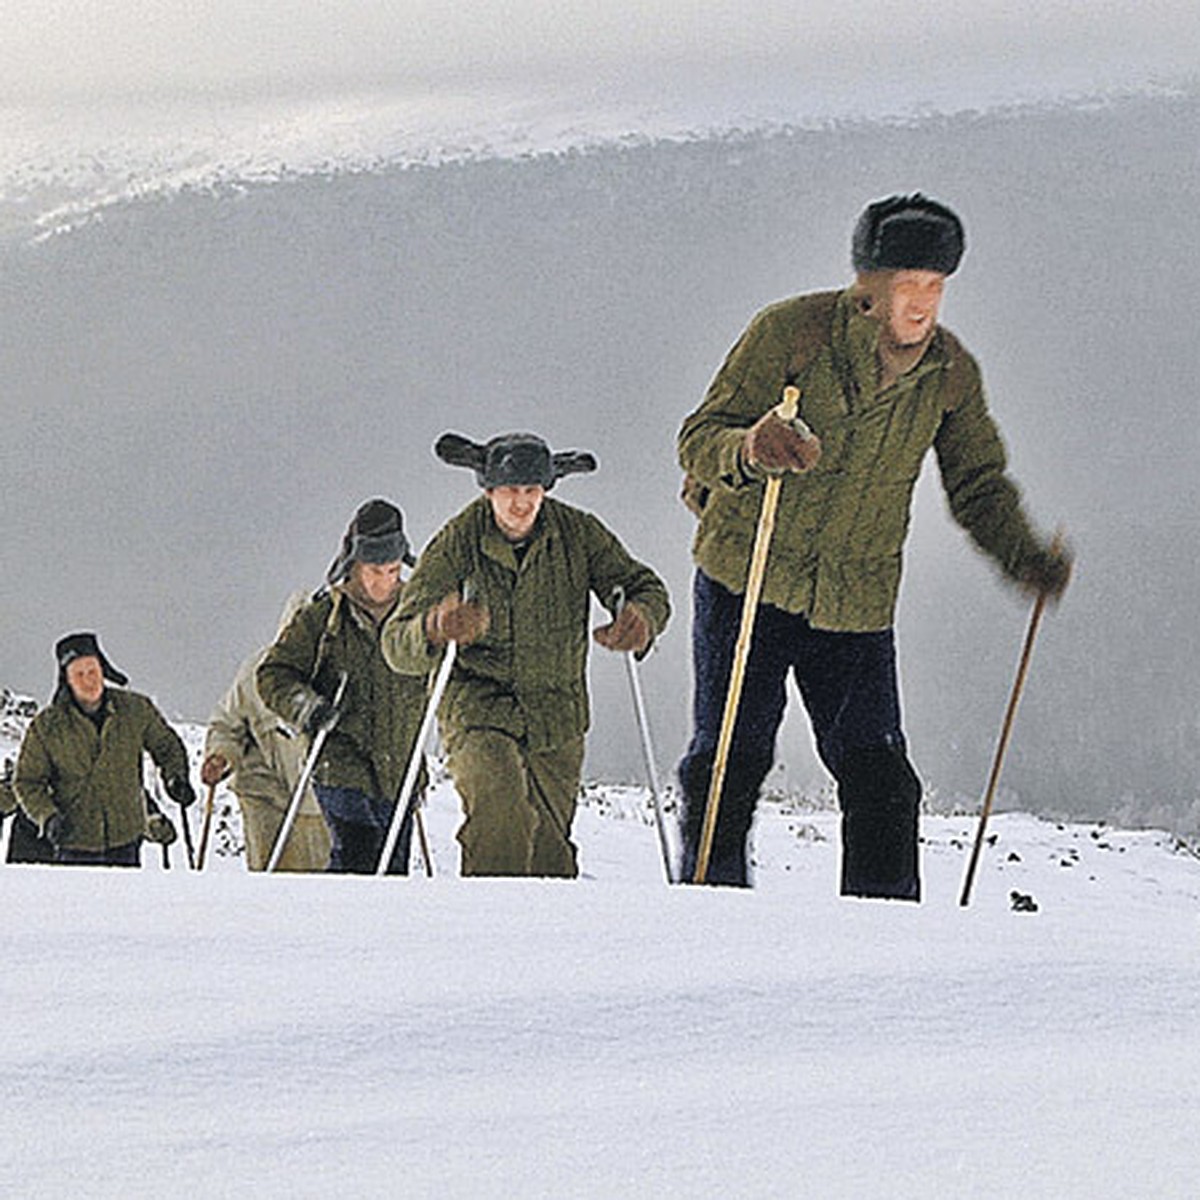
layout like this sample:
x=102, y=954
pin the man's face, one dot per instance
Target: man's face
x=380, y=582
x=86, y=680
x=515, y=508
x=913, y=302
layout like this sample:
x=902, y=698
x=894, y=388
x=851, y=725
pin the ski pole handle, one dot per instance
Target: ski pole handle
x=788, y=410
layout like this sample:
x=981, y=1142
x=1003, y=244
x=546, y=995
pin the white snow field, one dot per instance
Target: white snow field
x=222, y=1034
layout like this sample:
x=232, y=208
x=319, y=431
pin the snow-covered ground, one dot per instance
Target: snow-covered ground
x=223, y=1034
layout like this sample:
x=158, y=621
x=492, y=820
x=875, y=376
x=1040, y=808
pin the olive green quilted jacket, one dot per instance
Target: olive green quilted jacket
x=527, y=675
x=93, y=777
x=370, y=746
x=836, y=554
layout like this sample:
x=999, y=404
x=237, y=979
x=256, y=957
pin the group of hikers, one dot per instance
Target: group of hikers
x=826, y=405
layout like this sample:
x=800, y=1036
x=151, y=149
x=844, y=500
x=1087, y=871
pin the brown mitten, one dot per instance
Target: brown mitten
x=629, y=631
x=774, y=445
x=1047, y=573
x=454, y=619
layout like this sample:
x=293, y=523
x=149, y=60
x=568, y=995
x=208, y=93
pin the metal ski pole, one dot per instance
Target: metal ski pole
x=310, y=765
x=153, y=807
x=205, y=826
x=414, y=766
x=786, y=411
x=639, y=708
x=1035, y=618
x=418, y=757
x=187, y=838
x=423, y=839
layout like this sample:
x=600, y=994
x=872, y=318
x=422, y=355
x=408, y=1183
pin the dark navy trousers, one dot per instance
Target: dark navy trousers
x=847, y=682
x=358, y=827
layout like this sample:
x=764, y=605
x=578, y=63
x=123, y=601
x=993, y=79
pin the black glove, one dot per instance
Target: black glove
x=179, y=788
x=322, y=715
x=52, y=829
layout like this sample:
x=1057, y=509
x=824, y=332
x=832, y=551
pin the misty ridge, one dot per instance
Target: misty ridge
x=199, y=390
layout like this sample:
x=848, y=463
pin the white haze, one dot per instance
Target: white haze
x=55, y=48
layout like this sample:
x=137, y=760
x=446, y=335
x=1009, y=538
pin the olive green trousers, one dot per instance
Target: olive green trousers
x=518, y=804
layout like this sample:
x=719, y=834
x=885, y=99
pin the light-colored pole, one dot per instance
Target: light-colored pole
x=786, y=411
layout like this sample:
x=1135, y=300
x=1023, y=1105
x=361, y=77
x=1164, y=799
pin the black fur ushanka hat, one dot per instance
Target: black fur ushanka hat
x=907, y=233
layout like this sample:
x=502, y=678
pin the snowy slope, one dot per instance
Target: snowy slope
x=226, y=1034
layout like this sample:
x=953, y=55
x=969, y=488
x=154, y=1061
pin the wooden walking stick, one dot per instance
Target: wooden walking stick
x=205, y=826
x=786, y=411
x=1035, y=619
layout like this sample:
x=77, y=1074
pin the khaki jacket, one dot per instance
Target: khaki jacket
x=370, y=746
x=527, y=676
x=93, y=777
x=837, y=550
x=265, y=754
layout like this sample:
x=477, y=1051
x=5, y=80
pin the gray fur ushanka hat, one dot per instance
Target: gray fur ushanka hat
x=375, y=535
x=513, y=460
x=907, y=233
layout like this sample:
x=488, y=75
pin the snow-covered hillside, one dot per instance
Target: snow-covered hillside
x=227, y=1034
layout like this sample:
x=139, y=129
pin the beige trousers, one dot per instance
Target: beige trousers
x=307, y=847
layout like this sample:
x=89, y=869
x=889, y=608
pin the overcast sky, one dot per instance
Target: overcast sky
x=56, y=47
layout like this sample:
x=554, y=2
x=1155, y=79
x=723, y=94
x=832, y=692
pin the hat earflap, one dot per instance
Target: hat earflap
x=573, y=462
x=460, y=451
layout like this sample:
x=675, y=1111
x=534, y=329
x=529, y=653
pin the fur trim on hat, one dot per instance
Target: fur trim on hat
x=907, y=233
x=513, y=460
x=375, y=535
x=82, y=645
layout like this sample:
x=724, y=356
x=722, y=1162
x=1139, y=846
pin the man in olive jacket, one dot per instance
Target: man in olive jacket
x=516, y=705
x=79, y=771
x=373, y=728
x=880, y=382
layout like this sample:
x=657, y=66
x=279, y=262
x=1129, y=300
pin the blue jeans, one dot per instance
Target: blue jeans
x=847, y=682
x=358, y=828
